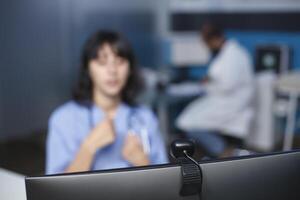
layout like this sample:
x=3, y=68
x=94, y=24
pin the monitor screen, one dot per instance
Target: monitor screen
x=272, y=58
x=274, y=176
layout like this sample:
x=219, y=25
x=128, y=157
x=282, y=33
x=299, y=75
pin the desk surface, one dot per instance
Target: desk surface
x=185, y=89
x=12, y=186
x=289, y=83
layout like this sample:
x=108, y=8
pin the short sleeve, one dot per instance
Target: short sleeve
x=61, y=146
x=158, y=153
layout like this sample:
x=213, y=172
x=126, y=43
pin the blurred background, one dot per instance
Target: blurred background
x=40, y=43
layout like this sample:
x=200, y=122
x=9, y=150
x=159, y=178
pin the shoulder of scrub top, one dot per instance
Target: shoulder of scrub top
x=66, y=112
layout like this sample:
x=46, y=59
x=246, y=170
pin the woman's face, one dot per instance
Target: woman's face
x=109, y=72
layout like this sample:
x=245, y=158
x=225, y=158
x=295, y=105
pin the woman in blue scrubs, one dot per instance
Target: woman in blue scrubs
x=103, y=127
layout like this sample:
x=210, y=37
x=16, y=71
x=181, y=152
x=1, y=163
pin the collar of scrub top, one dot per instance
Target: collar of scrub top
x=135, y=122
x=95, y=113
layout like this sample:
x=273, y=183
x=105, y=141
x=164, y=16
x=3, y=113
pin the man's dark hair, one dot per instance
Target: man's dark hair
x=211, y=30
x=83, y=90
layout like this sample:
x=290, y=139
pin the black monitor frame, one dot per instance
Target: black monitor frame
x=267, y=176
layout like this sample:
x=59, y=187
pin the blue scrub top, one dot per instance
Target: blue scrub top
x=71, y=123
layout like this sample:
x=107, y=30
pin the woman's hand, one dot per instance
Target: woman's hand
x=133, y=151
x=102, y=135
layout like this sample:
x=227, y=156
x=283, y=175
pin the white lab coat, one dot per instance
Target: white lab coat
x=227, y=107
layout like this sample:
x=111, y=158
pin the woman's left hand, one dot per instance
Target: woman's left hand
x=133, y=151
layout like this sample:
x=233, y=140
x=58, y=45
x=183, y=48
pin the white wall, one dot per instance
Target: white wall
x=234, y=5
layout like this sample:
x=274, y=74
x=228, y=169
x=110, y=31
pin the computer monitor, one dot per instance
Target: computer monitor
x=272, y=177
x=275, y=58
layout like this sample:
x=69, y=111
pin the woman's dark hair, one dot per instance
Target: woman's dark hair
x=82, y=92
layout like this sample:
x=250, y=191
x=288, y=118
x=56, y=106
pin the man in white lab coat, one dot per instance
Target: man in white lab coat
x=226, y=109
